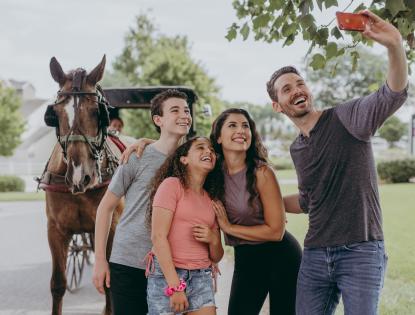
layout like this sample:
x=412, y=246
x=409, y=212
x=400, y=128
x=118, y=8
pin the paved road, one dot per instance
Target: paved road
x=25, y=268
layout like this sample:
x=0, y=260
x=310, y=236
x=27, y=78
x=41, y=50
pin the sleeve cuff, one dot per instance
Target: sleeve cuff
x=116, y=192
x=403, y=92
x=303, y=204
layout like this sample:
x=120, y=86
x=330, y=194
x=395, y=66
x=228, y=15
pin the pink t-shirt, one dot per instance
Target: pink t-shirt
x=189, y=208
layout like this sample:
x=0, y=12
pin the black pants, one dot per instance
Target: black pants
x=128, y=290
x=260, y=269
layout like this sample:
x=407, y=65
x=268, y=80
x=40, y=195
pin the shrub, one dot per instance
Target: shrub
x=397, y=171
x=11, y=183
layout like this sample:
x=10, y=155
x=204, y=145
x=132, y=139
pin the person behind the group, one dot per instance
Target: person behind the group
x=267, y=257
x=125, y=274
x=116, y=125
x=344, y=252
x=185, y=235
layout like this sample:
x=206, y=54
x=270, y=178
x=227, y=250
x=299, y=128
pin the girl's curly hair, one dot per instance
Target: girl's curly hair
x=173, y=167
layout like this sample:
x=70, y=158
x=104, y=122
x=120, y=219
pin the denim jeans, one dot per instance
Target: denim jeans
x=199, y=290
x=355, y=272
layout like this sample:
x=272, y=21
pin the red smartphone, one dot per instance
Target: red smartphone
x=351, y=21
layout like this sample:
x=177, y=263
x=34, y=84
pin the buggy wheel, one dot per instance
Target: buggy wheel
x=75, y=263
x=88, y=247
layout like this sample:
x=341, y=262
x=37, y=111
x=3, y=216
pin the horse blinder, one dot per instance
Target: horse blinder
x=104, y=118
x=51, y=119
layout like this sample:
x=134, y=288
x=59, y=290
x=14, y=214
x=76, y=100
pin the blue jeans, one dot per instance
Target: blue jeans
x=199, y=290
x=355, y=272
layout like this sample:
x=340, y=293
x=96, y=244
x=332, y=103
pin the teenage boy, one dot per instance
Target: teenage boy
x=124, y=275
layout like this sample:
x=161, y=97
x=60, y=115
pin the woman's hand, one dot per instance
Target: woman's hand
x=203, y=233
x=221, y=216
x=178, y=302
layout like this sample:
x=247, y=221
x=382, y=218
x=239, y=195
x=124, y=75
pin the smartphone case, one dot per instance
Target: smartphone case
x=351, y=21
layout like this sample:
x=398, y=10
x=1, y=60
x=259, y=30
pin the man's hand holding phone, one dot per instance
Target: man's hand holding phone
x=352, y=21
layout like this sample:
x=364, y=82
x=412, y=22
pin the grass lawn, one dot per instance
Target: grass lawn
x=286, y=174
x=22, y=196
x=398, y=204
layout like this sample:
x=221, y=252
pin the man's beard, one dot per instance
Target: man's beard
x=301, y=115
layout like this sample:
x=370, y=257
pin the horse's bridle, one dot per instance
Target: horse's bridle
x=96, y=143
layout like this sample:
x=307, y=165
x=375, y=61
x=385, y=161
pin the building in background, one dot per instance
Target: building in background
x=38, y=140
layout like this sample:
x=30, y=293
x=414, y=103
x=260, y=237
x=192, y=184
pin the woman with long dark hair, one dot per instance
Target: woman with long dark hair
x=252, y=216
x=185, y=235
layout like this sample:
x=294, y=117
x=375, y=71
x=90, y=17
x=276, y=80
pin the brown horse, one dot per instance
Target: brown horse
x=79, y=169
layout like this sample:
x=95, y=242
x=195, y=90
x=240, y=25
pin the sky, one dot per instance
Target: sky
x=79, y=32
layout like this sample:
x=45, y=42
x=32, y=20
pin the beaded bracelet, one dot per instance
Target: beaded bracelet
x=180, y=288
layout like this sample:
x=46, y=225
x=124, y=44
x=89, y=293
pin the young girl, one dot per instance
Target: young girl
x=186, y=238
x=267, y=257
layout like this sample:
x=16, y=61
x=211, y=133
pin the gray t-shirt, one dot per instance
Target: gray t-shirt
x=132, y=239
x=336, y=171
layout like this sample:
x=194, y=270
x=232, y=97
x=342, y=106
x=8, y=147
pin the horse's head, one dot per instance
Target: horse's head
x=80, y=116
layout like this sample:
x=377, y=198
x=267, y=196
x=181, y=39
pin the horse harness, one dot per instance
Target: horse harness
x=97, y=144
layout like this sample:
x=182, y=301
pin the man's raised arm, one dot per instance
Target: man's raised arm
x=387, y=35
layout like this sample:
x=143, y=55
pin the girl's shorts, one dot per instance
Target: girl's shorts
x=199, y=290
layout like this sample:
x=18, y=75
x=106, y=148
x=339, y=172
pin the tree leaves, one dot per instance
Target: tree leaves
x=289, y=29
x=336, y=32
x=261, y=20
x=318, y=62
x=355, y=56
x=393, y=130
x=288, y=21
x=331, y=3
x=275, y=5
x=244, y=31
x=325, y=82
x=306, y=21
x=11, y=121
x=232, y=32
x=395, y=6
x=331, y=50
x=150, y=58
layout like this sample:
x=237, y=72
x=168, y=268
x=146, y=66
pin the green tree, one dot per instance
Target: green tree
x=325, y=82
x=11, y=121
x=261, y=114
x=264, y=116
x=368, y=78
x=288, y=21
x=151, y=58
x=115, y=79
x=393, y=130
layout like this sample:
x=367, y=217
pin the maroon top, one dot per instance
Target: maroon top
x=237, y=206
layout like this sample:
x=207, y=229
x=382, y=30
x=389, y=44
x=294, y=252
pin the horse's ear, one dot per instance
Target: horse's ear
x=96, y=75
x=56, y=71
